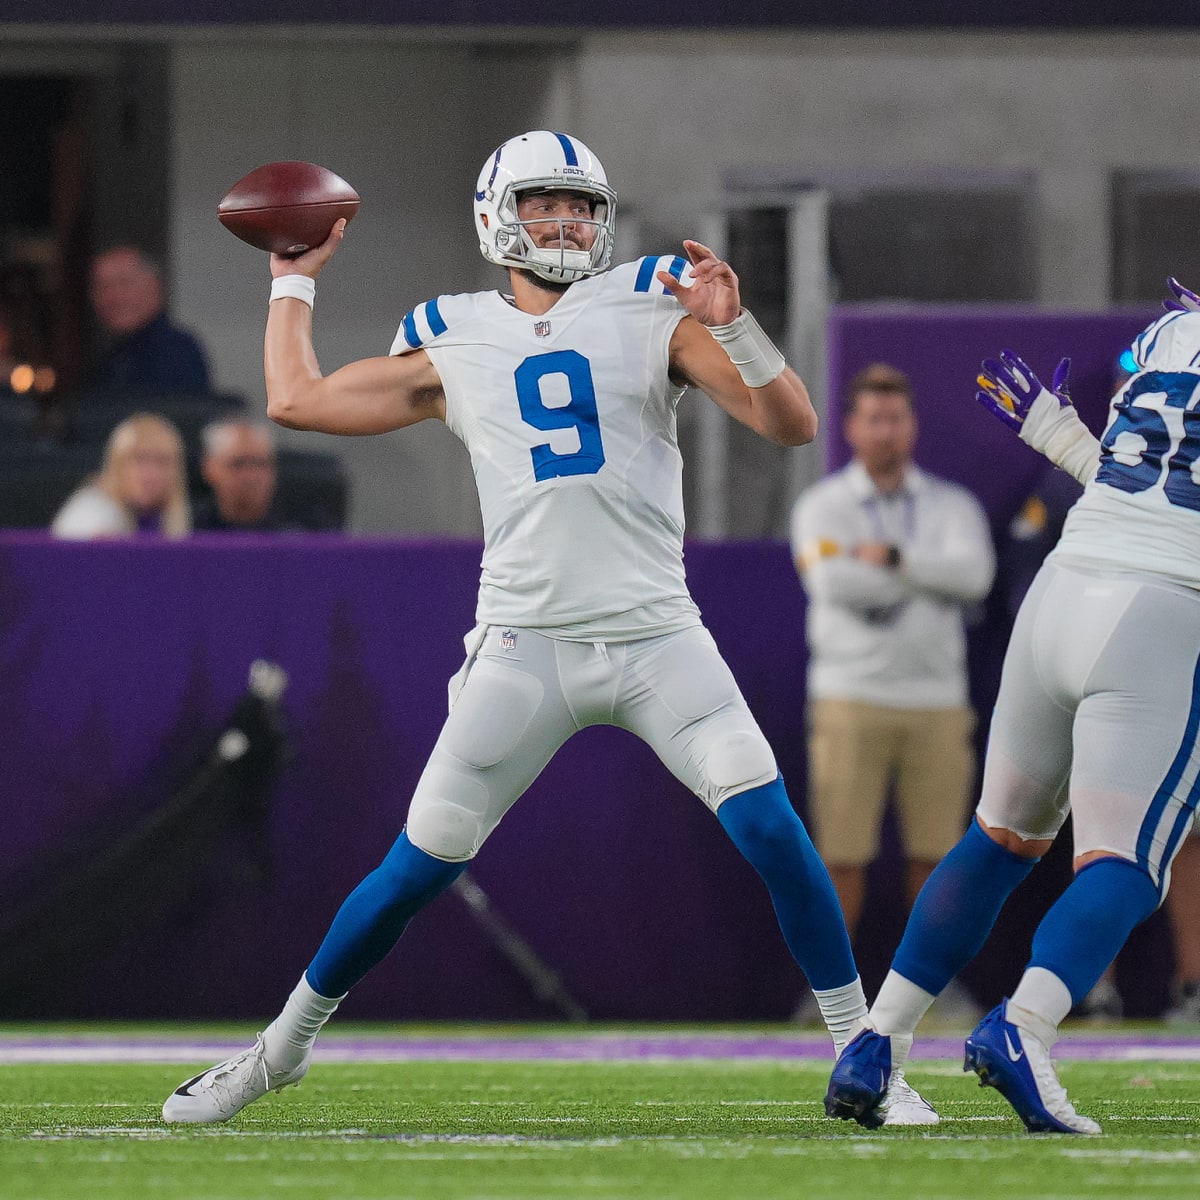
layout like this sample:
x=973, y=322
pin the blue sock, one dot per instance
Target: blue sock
x=956, y=909
x=1089, y=923
x=765, y=828
x=376, y=913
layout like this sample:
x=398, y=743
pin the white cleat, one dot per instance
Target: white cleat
x=902, y=1104
x=223, y=1091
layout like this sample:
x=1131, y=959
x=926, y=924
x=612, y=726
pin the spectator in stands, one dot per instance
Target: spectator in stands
x=146, y=352
x=238, y=463
x=141, y=488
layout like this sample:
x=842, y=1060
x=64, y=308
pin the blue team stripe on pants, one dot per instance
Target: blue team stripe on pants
x=1166, y=791
x=645, y=275
x=434, y=317
x=568, y=149
x=409, y=326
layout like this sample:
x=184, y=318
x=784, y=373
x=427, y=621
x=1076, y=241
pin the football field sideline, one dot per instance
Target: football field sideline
x=467, y=1043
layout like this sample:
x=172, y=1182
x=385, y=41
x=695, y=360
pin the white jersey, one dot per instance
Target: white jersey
x=1142, y=510
x=570, y=421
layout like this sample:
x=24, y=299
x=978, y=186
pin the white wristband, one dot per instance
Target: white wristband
x=1056, y=431
x=756, y=357
x=298, y=287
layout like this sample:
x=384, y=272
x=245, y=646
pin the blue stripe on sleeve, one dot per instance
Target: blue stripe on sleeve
x=645, y=275
x=409, y=325
x=676, y=268
x=434, y=317
x=568, y=149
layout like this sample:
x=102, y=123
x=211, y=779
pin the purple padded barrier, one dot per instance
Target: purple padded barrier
x=118, y=661
x=940, y=347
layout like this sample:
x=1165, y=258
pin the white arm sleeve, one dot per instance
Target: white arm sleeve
x=1056, y=431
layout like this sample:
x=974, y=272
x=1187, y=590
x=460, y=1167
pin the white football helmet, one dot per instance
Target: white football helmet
x=533, y=162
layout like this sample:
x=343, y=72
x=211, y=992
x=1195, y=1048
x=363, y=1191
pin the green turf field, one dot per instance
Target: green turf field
x=668, y=1130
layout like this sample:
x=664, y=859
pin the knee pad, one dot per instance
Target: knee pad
x=737, y=760
x=448, y=817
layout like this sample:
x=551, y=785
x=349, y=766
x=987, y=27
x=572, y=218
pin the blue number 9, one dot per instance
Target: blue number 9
x=579, y=413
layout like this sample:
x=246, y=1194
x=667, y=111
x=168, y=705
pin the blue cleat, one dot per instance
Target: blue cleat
x=1016, y=1062
x=860, y=1080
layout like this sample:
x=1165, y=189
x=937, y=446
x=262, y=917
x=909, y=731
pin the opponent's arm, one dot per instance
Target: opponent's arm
x=372, y=395
x=720, y=349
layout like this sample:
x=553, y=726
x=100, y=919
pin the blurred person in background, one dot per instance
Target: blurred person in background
x=238, y=462
x=145, y=352
x=141, y=487
x=892, y=558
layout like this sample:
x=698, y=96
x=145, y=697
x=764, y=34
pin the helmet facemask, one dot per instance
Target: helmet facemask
x=561, y=263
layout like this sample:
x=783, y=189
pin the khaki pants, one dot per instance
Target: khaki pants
x=856, y=750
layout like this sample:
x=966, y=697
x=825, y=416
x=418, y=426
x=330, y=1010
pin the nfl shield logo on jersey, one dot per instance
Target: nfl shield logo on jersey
x=541, y=328
x=508, y=640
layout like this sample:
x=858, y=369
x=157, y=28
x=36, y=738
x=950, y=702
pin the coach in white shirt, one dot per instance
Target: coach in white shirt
x=891, y=558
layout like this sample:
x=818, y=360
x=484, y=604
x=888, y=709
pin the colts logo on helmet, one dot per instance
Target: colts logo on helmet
x=541, y=328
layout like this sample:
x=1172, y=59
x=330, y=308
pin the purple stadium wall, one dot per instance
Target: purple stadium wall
x=118, y=662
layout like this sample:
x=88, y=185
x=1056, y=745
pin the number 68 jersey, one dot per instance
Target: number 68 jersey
x=1141, y=512
x=570, y=421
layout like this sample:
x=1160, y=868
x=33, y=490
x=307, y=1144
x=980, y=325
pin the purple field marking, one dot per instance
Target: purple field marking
x=599, y=1047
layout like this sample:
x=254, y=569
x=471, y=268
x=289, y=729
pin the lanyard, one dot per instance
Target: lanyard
x=874, y=510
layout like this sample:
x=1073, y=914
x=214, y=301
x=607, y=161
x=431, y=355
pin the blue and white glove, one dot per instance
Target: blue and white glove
x=1184, y=299
x=1008, y=388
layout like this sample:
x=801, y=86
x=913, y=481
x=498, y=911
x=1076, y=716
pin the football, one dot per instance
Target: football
x=287, y=207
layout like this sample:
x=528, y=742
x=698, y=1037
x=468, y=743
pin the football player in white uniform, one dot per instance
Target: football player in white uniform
x=565, y=394
x=1098, y=715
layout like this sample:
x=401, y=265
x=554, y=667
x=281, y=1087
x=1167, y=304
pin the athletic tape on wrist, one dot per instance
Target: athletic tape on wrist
x=298, y=287
x=1056, y=431
x=756, y=357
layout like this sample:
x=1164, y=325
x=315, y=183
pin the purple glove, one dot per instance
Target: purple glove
x=1185, y=300
x=1008, y=387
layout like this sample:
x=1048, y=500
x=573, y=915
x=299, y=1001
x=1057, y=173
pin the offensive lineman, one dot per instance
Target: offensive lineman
x=1101, y=693
x=564, y=393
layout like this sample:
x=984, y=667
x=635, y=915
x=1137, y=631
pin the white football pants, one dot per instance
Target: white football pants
x=1101, y=693
x=520, y=695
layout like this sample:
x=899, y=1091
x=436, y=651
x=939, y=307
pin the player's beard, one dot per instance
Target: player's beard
x=555, y=287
